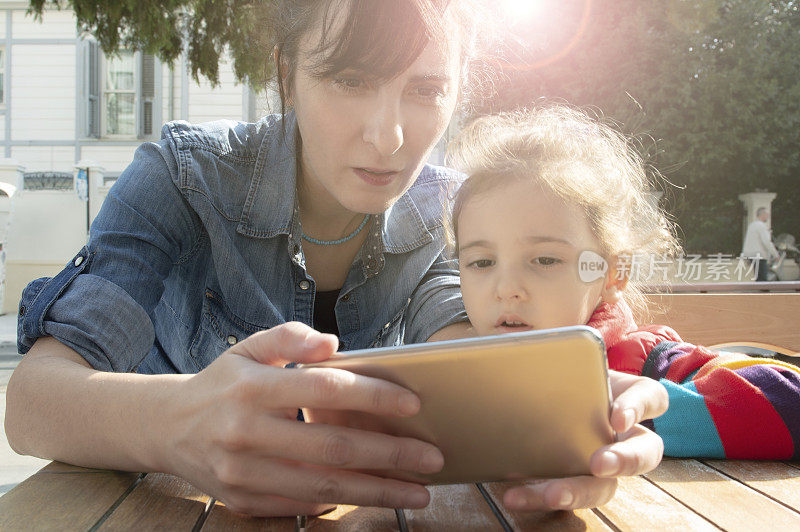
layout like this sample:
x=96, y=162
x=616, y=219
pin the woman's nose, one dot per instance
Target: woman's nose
x=383, y=127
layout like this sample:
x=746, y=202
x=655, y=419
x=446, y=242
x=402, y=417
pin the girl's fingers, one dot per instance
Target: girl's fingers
x=561, y=494
x=639, y=451
x=635, y=399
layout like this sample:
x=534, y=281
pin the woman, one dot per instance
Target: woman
x=326, y=216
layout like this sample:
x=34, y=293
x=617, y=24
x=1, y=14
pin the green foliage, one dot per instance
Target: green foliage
x=206, y=28
x=710, y=87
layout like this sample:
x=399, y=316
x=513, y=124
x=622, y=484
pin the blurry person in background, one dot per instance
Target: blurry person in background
x=758, y=245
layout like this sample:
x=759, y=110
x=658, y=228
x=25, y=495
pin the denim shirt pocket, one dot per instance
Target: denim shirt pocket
x=219, y=329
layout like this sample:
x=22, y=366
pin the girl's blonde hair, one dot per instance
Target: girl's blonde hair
x=580, y=159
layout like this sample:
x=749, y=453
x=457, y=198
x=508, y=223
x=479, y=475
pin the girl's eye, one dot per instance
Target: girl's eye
x=481, y=263
x=429, y=92
x=547, y=261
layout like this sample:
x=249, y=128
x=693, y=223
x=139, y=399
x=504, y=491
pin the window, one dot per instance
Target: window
x=119, y=93
x=2, y=75
x=119, y=96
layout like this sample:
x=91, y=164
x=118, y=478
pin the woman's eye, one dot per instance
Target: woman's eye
x=349, y=84
x=546, y=261
x=481, y=263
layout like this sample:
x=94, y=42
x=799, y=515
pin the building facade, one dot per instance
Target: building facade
x=64, y=105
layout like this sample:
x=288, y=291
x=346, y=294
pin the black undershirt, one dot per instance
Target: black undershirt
x=324, y=314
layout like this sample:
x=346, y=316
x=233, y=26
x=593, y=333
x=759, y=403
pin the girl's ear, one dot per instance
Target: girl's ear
x=615, y=282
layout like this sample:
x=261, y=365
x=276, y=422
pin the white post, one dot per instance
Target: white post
x=12, y=177
x=754, y=201
x=95, y=183
x=12, y=172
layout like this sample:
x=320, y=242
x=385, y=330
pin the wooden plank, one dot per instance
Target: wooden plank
x=456, y=507
x=774, y=479
x=61, y=467
x=737, y=288
x=725, y=502
x=560, y=520
x=346, y=517
x=159, y=502
x=342, y=518
x=717, y=318
x=61, y=496
x=222, y=519
x=639, y=505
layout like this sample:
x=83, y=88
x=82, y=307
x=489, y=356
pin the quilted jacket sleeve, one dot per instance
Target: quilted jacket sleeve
x=724, y=405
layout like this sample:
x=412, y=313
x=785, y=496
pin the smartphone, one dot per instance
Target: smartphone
x=515, y=406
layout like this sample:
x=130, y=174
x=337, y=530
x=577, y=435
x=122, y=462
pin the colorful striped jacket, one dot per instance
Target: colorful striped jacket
x=721, y=405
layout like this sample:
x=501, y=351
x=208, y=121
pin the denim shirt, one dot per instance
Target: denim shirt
x=198, y=245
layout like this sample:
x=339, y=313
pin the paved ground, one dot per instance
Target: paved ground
x=13, y=467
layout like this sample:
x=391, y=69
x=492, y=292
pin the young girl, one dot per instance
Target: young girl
x=553, y=204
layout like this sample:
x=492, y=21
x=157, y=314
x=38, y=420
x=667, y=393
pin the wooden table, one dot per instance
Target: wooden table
x=679, y=495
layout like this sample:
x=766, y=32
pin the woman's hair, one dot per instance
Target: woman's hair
x=582, y=160
x=382, y=37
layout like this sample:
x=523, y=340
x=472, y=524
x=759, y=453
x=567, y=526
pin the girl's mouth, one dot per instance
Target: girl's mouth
x=512, y=324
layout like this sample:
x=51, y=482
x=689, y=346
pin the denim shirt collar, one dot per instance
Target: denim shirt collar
x=267, y=213
x=267, y=210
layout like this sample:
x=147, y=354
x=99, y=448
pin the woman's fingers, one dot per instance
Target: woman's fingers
x=288, y=342
x=260, y=505
x=635, y=399
x=308, y=483
x=561, y=494
x=322, y=388
x=341, y=447
x=638, y=451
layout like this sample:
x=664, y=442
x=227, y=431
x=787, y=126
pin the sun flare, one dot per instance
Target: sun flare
x=520, y=10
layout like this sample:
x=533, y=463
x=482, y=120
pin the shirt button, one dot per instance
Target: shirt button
x=78, y=261
x=232, y=340
x=346, y=297
x=304, y=285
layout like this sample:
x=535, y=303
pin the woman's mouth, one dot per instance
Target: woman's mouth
x=375, y=176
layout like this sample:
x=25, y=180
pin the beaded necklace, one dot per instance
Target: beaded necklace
x=341, y=240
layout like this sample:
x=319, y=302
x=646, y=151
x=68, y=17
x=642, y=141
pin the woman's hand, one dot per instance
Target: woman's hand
x=236, y=436
x=637, y=451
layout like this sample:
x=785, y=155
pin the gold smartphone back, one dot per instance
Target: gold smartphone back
x=520, y=405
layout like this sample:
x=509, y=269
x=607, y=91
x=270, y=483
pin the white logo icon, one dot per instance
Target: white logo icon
x=591, y=266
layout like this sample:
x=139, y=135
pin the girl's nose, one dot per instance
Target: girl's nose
x=510, y=287
x=383, y=128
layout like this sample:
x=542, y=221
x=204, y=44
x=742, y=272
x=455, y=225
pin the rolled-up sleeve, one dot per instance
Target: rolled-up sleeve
x=101, y=304
x=436, y=302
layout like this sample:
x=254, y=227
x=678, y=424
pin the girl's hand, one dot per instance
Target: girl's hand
x=236, y=437
x=638, y=451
